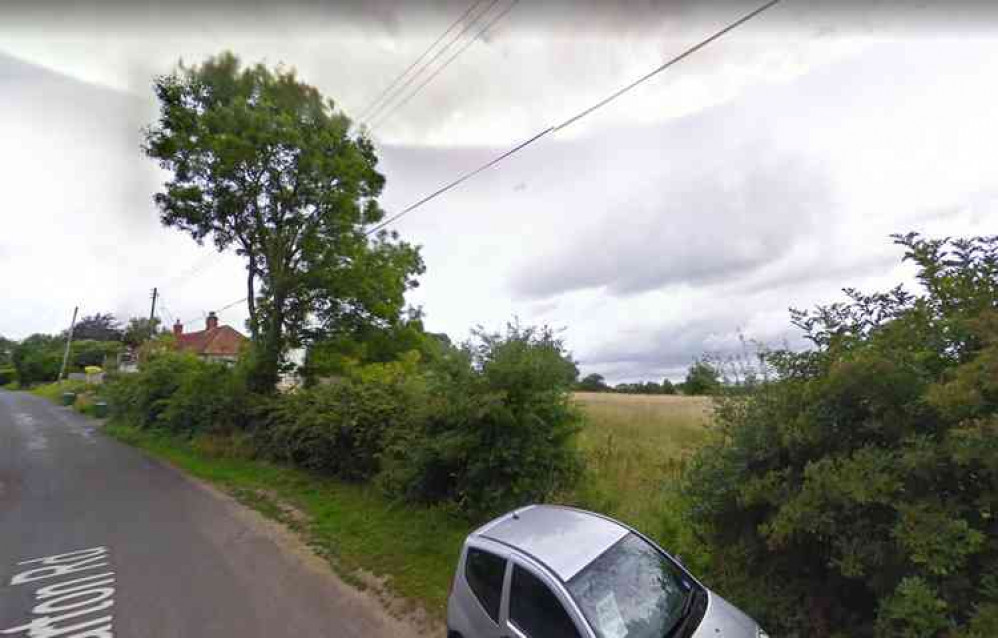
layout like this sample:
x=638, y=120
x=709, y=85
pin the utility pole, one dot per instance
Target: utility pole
x=152, y=315
x=69, y=341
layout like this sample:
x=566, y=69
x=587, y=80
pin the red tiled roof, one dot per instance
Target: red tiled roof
x=220, y=341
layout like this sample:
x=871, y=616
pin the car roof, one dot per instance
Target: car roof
x=562, y=538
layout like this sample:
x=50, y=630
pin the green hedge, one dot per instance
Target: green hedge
x=497, y=429
x=338, y=429
x=857, y=495
x=484, y=428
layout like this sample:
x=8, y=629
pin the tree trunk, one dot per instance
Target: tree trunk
x=251, y=300
x=269, y=348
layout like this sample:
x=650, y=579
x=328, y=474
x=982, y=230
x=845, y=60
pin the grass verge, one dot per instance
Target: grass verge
x=634, y=447
x=413, y=548
x=86, y=395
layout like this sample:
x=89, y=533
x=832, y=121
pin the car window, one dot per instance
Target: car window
x=631, y=591
x=535, y=610
x=484, y=572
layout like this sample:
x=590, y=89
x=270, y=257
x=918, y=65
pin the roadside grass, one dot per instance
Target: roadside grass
x=635, y=448
x=355, y=527
x=86, y=395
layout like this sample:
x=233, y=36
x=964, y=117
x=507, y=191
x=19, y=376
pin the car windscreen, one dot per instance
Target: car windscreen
x=631, y=591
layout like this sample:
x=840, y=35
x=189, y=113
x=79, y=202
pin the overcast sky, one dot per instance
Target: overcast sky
x=765, y=171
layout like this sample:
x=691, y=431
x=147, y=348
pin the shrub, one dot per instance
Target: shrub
x=141, y=398
x=7, y=375
x=37, y=359
x=856, y=495
x=340, y=428
x=88, y=352
x=209, y=398
x=499, y=426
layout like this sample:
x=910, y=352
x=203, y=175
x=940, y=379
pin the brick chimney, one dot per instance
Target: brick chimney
x=178, y=328
x=212, y=321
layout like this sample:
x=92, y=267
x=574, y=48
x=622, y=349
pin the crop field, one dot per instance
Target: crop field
x=635, y=447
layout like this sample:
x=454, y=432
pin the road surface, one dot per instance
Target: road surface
x=98, y=540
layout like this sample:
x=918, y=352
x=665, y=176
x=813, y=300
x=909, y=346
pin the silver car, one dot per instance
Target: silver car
x=557, y=572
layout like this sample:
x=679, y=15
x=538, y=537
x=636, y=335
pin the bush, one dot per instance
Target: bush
x=856, y=495
x=92, y=353
x=499, y=426
x=209, y=398
x=7, y=375
x=340, y=428
x=141, y=399
x=38, y=359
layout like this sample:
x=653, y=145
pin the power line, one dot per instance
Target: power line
x=447, y=63
x=575, y=118
x=568, y=122
x=367, y=109
x=203, y=262
x=685, y=54
x=165, y=310
x=217, y=310
x=429, y=63
x=457, y=181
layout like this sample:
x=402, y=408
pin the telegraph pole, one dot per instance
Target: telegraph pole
x=152, y=314
x=69, y=341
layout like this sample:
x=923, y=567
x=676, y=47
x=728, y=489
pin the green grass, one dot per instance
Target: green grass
x=86, y=395
x=53, y=391
x=354, y=526
x=635, y=448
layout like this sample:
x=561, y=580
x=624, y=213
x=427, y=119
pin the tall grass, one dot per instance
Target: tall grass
x=635, y=448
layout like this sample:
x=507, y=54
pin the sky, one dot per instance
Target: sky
x=764, y=172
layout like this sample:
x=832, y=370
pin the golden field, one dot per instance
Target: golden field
x=635, y=447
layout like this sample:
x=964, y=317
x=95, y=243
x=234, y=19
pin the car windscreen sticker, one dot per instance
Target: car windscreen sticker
x=611, y=623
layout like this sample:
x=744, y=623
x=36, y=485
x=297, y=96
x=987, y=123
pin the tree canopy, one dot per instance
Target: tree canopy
x=594, y=382
x=98, y=327
x=139, y=330
x=702, y=378
x=262, y=163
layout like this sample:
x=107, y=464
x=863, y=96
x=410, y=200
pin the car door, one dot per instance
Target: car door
x=536, y=606
x=481, y=599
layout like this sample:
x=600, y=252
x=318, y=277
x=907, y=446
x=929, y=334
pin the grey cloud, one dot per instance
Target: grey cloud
x=84, y=135
x=669, y=350
x=715, y=225
x=738, y=192
x=397, y=17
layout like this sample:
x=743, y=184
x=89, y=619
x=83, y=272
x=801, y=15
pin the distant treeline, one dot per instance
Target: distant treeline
x=702, y=378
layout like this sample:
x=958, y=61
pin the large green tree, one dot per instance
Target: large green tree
x=260, y=162
x=702, y=378
x=98, y=327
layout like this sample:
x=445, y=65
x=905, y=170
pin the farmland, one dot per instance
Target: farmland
x=635, y=447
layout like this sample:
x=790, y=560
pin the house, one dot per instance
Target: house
x=214, y=343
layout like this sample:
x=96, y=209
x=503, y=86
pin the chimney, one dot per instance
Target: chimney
x=212, y=321
x=178, y=328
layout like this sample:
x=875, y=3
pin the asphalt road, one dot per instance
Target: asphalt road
x=98, y=540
